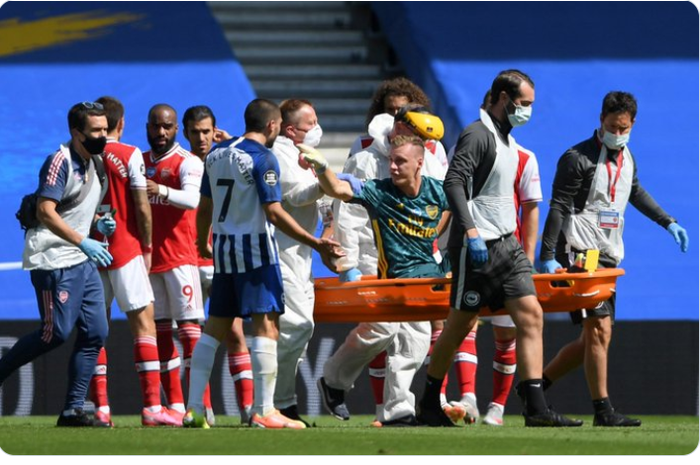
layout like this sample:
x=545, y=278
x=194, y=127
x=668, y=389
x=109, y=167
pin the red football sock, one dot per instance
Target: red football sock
x=465, y=364
x=241, y=369
x=98, y=383
x=377, y=371
x=169, y=363
x=148, y=369
x=189, y=334
x=504, y=364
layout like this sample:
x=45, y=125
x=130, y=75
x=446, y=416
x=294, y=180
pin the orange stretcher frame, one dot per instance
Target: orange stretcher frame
x=425, y=299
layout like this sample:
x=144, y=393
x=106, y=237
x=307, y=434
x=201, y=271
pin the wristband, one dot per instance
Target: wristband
x=146, y=248
x=163, y=191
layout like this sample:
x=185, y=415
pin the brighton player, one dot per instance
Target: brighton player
x=173, y=179
x=241, y=200
x=406, y=211
x=199, y=128
x=126, y=278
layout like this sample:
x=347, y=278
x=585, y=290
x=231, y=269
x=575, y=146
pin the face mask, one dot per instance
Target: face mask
x=94, y=146
x=614, y=141
x=520, y=116
x=313, y=136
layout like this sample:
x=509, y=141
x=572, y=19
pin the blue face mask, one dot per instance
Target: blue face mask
x=614, y=141
x=520, y=116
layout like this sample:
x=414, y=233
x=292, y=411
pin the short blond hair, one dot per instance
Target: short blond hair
x=402, y=140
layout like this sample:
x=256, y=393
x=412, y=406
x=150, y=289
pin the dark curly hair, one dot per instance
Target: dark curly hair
x=400, y=87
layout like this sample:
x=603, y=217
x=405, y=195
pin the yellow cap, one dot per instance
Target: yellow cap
x=426, y=125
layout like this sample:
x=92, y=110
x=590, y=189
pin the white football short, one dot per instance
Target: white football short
x=206, y=275
x=178, y=294
x=129, y=285
x=502, y=321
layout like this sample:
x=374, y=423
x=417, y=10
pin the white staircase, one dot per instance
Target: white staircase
x=324, y=52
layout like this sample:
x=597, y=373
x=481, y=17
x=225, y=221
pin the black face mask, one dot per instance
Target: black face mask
x=94, y=146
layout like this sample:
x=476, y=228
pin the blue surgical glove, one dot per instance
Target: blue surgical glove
x=96, y=251
x=550, y=266
x=347, y=276
x=106, y=225
x=477, y=251
x=355, y=183
x=679, y=235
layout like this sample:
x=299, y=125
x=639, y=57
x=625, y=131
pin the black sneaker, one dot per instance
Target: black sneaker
x=406, y=421
x=433, y=416
x=613, y=418
x=333, y=400
x=80, y=419
x=550, y=418
x=292, y=413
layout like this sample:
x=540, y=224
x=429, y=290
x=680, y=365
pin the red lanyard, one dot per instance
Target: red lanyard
x=611, y=186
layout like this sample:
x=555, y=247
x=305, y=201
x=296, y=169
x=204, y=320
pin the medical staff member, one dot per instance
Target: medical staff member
x=594, y=182
x=301, y=194
x=63, y=261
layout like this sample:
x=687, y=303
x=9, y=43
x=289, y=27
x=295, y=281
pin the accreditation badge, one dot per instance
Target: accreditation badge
x=608, y=219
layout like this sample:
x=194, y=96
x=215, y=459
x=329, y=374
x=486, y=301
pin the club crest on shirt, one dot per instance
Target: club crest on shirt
x=270, y=178
x=432, y=211
x=63, y=296
x=165, y=174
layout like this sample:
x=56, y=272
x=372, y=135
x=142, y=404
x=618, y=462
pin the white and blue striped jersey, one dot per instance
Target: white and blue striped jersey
x=240, y=176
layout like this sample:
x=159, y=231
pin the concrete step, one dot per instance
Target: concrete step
x=301, y=55
x=272, y=20
x=219, y=7
x=315, y=89
x=275, y=72
x=336, y=156
x=327, y=106
x=301, y=37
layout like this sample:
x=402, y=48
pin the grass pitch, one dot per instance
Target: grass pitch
x=658, y=435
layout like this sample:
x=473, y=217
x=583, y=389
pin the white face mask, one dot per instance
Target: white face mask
x=520, y=116
x=313, y=136
x=614, y=141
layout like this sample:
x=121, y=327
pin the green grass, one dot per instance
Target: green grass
x=667, y=435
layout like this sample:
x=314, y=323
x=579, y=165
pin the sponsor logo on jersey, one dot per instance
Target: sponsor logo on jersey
x=270, y=178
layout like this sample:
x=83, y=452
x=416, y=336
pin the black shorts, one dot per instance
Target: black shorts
x=506, y=275
x=603, y=309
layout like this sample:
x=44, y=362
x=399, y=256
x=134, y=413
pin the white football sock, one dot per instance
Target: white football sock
x=200, y=371
x=263, y=356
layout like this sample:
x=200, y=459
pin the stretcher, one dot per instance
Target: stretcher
x=425, y=299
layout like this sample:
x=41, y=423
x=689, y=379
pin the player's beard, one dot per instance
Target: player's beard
x=160, y=151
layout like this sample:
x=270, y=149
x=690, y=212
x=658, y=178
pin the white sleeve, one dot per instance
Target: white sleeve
x=441, y=154
x=297, y=189
x=190, y=179
x=137, y=170
x=530, y=188
x=432, y=166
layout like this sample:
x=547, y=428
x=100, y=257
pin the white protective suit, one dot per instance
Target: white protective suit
x=407, y=343
x=300, y=196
